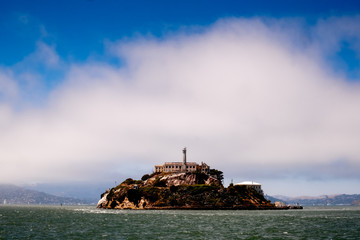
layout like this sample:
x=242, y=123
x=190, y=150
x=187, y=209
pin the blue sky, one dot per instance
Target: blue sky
x=78, y=29
x=265, y=91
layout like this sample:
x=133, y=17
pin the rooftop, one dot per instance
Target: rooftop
x=249, y=183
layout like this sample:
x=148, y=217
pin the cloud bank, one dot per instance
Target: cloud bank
x=243, y=95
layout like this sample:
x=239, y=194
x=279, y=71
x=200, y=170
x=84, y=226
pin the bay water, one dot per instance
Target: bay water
x=88, y=222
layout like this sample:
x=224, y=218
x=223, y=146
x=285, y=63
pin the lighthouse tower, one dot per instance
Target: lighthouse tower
x=184, y=167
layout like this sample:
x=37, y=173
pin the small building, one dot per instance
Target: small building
x=250, y=184
x=183, y=166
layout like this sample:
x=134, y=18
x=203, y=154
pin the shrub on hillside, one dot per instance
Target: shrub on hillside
x=145, y=177
x=134, y=196
x=200, y=188
x=173, y=188
x=128, y=181
x=150, y=193
x=159, y=183
x=200, y=177
x=217, y=174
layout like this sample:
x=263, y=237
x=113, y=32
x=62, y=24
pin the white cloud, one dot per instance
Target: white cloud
x=44, y=55
x=333, y=31
x=240, y=96
x=8, y=87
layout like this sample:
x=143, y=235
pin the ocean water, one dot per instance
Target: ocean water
x=87, y=222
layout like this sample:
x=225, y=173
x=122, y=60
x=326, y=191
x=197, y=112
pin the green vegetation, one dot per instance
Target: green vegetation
x=159, y=183
x=217, y=174
x=134, y=196
x=151, y=193
x=173, y=188
x=145, y=177
x=200, y=177
x=118, y=187
x=130, y=181
x=200, y=188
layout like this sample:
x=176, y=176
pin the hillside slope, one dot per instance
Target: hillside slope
x=11, y=194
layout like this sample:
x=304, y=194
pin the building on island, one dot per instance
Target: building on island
x=183, y=166
x=250, y=184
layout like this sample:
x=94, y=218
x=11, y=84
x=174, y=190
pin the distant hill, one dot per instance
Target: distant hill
x=273, y=199
x=332, y=200
x=11, y=194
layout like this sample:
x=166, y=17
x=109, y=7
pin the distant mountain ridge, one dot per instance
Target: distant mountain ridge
x=332, y=200
x=273, y=199
x=11, y=194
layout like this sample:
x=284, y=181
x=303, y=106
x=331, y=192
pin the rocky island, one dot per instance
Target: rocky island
x=184, y=185
x=191, y=190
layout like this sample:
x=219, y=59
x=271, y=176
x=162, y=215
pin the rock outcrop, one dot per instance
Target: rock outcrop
x=177, y=179
x=181, y=191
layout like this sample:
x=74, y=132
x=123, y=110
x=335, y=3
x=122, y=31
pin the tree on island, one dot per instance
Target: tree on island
x=217, y=174
x=145, y=177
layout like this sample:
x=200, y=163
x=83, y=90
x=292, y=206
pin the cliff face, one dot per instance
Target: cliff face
x=181, y=191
